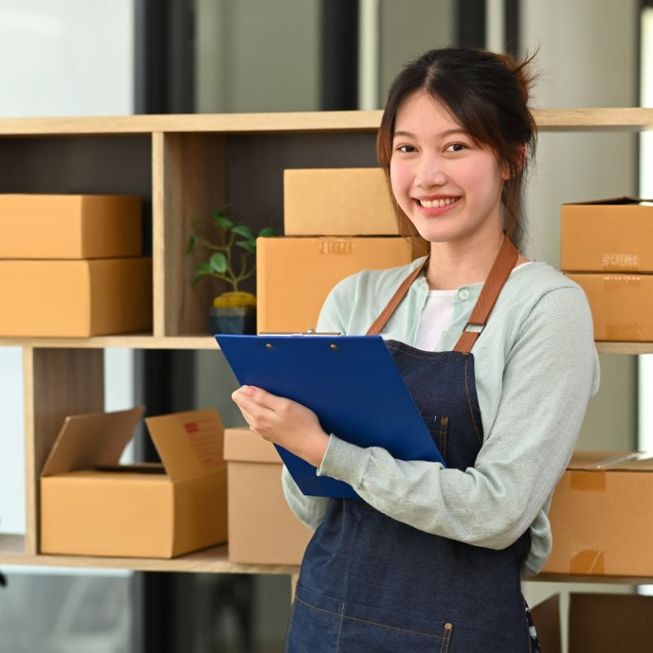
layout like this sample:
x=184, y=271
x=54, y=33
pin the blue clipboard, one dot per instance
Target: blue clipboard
x=350, y=382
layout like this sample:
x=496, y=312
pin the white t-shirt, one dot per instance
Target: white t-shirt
x=436, y=318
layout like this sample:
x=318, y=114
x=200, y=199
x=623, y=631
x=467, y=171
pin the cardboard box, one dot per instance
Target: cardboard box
x=613, y=235
x=69, y=226
x=622, y=305
x=75, y=298
x=602, y=516
x=295, y=275
x=338, y=202
x=597, y=623
x=91, y=505
x=262, y=528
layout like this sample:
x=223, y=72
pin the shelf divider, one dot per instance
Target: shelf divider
x=57, y=383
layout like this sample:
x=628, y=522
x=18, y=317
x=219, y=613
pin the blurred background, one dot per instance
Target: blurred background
x=119, y=57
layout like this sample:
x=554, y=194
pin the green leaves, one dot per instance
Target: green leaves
x=244, y=231
x=218, y=235
x=218, y=263
x=222, y=221
x=248, y=245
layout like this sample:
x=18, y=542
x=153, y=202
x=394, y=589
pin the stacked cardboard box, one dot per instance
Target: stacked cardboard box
x=607, y=248
x=262, y=528
x=71, y=265
x=337, y=222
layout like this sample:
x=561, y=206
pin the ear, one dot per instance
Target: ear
x=521, y=163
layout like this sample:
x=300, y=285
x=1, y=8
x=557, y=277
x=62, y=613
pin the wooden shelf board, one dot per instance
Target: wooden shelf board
x=309, y=121
x=585, y=578
x=629, y=118
x=146, y=341
x=133, y=341
x=616, y=118
x=213, y=560
x=635, y=348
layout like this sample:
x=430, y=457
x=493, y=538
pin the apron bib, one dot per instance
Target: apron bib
x=371, y=584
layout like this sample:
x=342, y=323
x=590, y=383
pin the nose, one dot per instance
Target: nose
x=430, y=172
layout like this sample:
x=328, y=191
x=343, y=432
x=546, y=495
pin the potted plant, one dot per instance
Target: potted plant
x=230, y=256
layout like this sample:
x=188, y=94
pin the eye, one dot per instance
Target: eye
x=404, y=148
x=456, y=147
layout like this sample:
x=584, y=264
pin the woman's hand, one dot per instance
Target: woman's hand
x=283, y=422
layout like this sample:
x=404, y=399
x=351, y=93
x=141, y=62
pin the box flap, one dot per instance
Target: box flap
x=625, y=200
x=611, y=461
x=190, y=443
x=241, y=444
x=87, y=441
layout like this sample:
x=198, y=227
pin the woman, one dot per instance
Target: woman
x=498, y=354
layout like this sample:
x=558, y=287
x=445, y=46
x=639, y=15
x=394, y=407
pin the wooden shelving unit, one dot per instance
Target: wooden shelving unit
x=183, y=167
x=213, y=560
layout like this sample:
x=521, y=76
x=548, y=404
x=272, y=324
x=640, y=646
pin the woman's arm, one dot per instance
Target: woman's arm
x=550, y=375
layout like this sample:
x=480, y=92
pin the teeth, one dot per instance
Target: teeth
x=429, y=204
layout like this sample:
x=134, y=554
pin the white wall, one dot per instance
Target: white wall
x=70, y=57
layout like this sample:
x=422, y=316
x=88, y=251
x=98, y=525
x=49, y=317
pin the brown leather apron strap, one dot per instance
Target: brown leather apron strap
x=503, y=265
x=501, y=269
x=387, y=312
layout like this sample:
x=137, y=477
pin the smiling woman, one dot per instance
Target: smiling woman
x=429, y=557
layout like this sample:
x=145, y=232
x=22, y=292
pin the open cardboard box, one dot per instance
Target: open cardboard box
x=602, y=516
x=597, y=623
x=92, y=505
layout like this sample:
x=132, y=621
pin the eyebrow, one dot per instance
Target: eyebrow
x=444, y=134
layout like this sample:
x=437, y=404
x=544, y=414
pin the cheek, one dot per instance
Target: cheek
x=400, y=181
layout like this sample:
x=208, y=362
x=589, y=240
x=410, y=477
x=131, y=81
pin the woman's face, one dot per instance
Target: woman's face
x=447, y=184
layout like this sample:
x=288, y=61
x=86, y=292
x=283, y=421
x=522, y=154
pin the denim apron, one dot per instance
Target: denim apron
x=371, y=584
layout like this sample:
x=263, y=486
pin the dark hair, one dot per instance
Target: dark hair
x=487, y=94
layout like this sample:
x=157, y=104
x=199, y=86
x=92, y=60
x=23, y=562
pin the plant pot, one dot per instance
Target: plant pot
x=232, y=319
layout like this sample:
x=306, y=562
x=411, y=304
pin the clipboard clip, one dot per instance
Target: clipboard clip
x=308, y=332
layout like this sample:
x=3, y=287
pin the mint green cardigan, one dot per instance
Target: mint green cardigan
x=536, y=370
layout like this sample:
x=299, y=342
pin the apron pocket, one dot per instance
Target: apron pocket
x=312, y=629
x=362, y=636
x=438, y=426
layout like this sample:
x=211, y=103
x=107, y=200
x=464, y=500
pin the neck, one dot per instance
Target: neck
x=455, y=263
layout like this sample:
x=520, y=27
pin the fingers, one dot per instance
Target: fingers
x=259, y=417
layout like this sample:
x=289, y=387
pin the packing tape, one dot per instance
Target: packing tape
x=588, y=481
x=589, y=561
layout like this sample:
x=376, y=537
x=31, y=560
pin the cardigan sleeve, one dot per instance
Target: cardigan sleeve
x=550, y=373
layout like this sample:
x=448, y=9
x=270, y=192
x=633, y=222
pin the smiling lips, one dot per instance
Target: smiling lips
x=438, y=203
